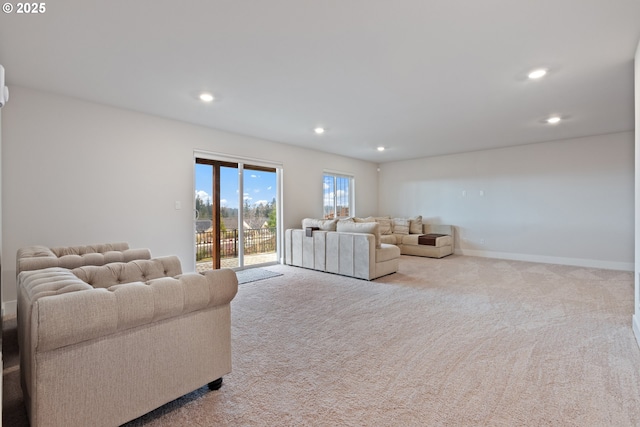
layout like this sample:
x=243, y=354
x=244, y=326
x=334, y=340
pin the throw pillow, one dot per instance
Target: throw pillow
x=384, y=221
x=360, y=227
x=385, y=225
x=400, y=226
x=415, y=225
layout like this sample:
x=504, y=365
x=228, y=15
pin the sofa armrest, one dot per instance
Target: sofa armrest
x=351, y=254
x=35, y=258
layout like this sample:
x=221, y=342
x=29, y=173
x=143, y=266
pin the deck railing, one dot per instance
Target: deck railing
x=256, y=241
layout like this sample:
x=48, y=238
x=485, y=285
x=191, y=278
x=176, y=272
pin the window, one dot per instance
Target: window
x=337, y=195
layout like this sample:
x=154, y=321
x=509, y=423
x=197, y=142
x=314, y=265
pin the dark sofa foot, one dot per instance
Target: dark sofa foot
x=215, y=385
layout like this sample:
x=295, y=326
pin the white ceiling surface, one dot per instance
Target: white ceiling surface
x=420, y=77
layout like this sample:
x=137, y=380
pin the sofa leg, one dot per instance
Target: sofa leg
x=215, y=385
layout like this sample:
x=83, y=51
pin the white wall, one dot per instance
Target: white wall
x=568, y=202
x=75, y=172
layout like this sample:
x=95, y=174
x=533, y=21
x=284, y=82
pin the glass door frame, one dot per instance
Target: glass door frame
x=217, y=160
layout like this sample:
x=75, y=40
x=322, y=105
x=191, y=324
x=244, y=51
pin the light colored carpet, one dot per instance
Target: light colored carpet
x=460, y=341
x=255, y=274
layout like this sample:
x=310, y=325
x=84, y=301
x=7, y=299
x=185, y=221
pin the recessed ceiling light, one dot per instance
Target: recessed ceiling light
x=319, y=130
x=206, y=97
x=380, y=148
x=553, y=120
x=536, y=74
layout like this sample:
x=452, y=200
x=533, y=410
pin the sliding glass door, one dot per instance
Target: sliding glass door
x=236, y=214
x=259, y=213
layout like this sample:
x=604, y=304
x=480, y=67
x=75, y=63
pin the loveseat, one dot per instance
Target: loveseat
x=342, y=247
x=39, y=257
x=102, y=345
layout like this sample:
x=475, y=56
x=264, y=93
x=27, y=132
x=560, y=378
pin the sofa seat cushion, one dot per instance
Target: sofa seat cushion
x=389, y=239
x=412, y=239
x=383, y=221
x=387, y=252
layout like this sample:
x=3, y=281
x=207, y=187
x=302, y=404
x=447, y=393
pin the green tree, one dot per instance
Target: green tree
x=203, y=209
x=271, y=222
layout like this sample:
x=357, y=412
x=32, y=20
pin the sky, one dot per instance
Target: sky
x=259, y=186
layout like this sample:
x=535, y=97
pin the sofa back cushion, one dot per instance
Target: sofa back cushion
x=385, y=224
x=135, y=271
x=415, y=225
x=400, y=226
x=322, y=224
x=383, y=221
x=349, y=226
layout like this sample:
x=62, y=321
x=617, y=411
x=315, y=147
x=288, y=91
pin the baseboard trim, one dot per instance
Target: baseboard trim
x=578, y=262
x=9, y=308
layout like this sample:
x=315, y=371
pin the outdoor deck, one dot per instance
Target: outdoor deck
x=249, y=260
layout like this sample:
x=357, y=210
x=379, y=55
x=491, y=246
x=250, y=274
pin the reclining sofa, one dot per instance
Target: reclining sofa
x=102, y=345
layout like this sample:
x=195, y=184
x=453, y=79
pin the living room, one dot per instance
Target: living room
x=557, y=203
x=77, y=170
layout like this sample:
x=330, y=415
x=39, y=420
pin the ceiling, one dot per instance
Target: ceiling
x=419, y=77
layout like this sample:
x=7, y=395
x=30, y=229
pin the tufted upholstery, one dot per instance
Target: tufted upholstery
x=101, y=319
x=134, y=271
x=117, y=299
x=39, y=257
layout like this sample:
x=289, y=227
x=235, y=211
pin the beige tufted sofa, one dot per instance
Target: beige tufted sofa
x=39, y=257
x=102, y=345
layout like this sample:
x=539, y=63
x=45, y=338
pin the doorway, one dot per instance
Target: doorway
x=236, y=206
